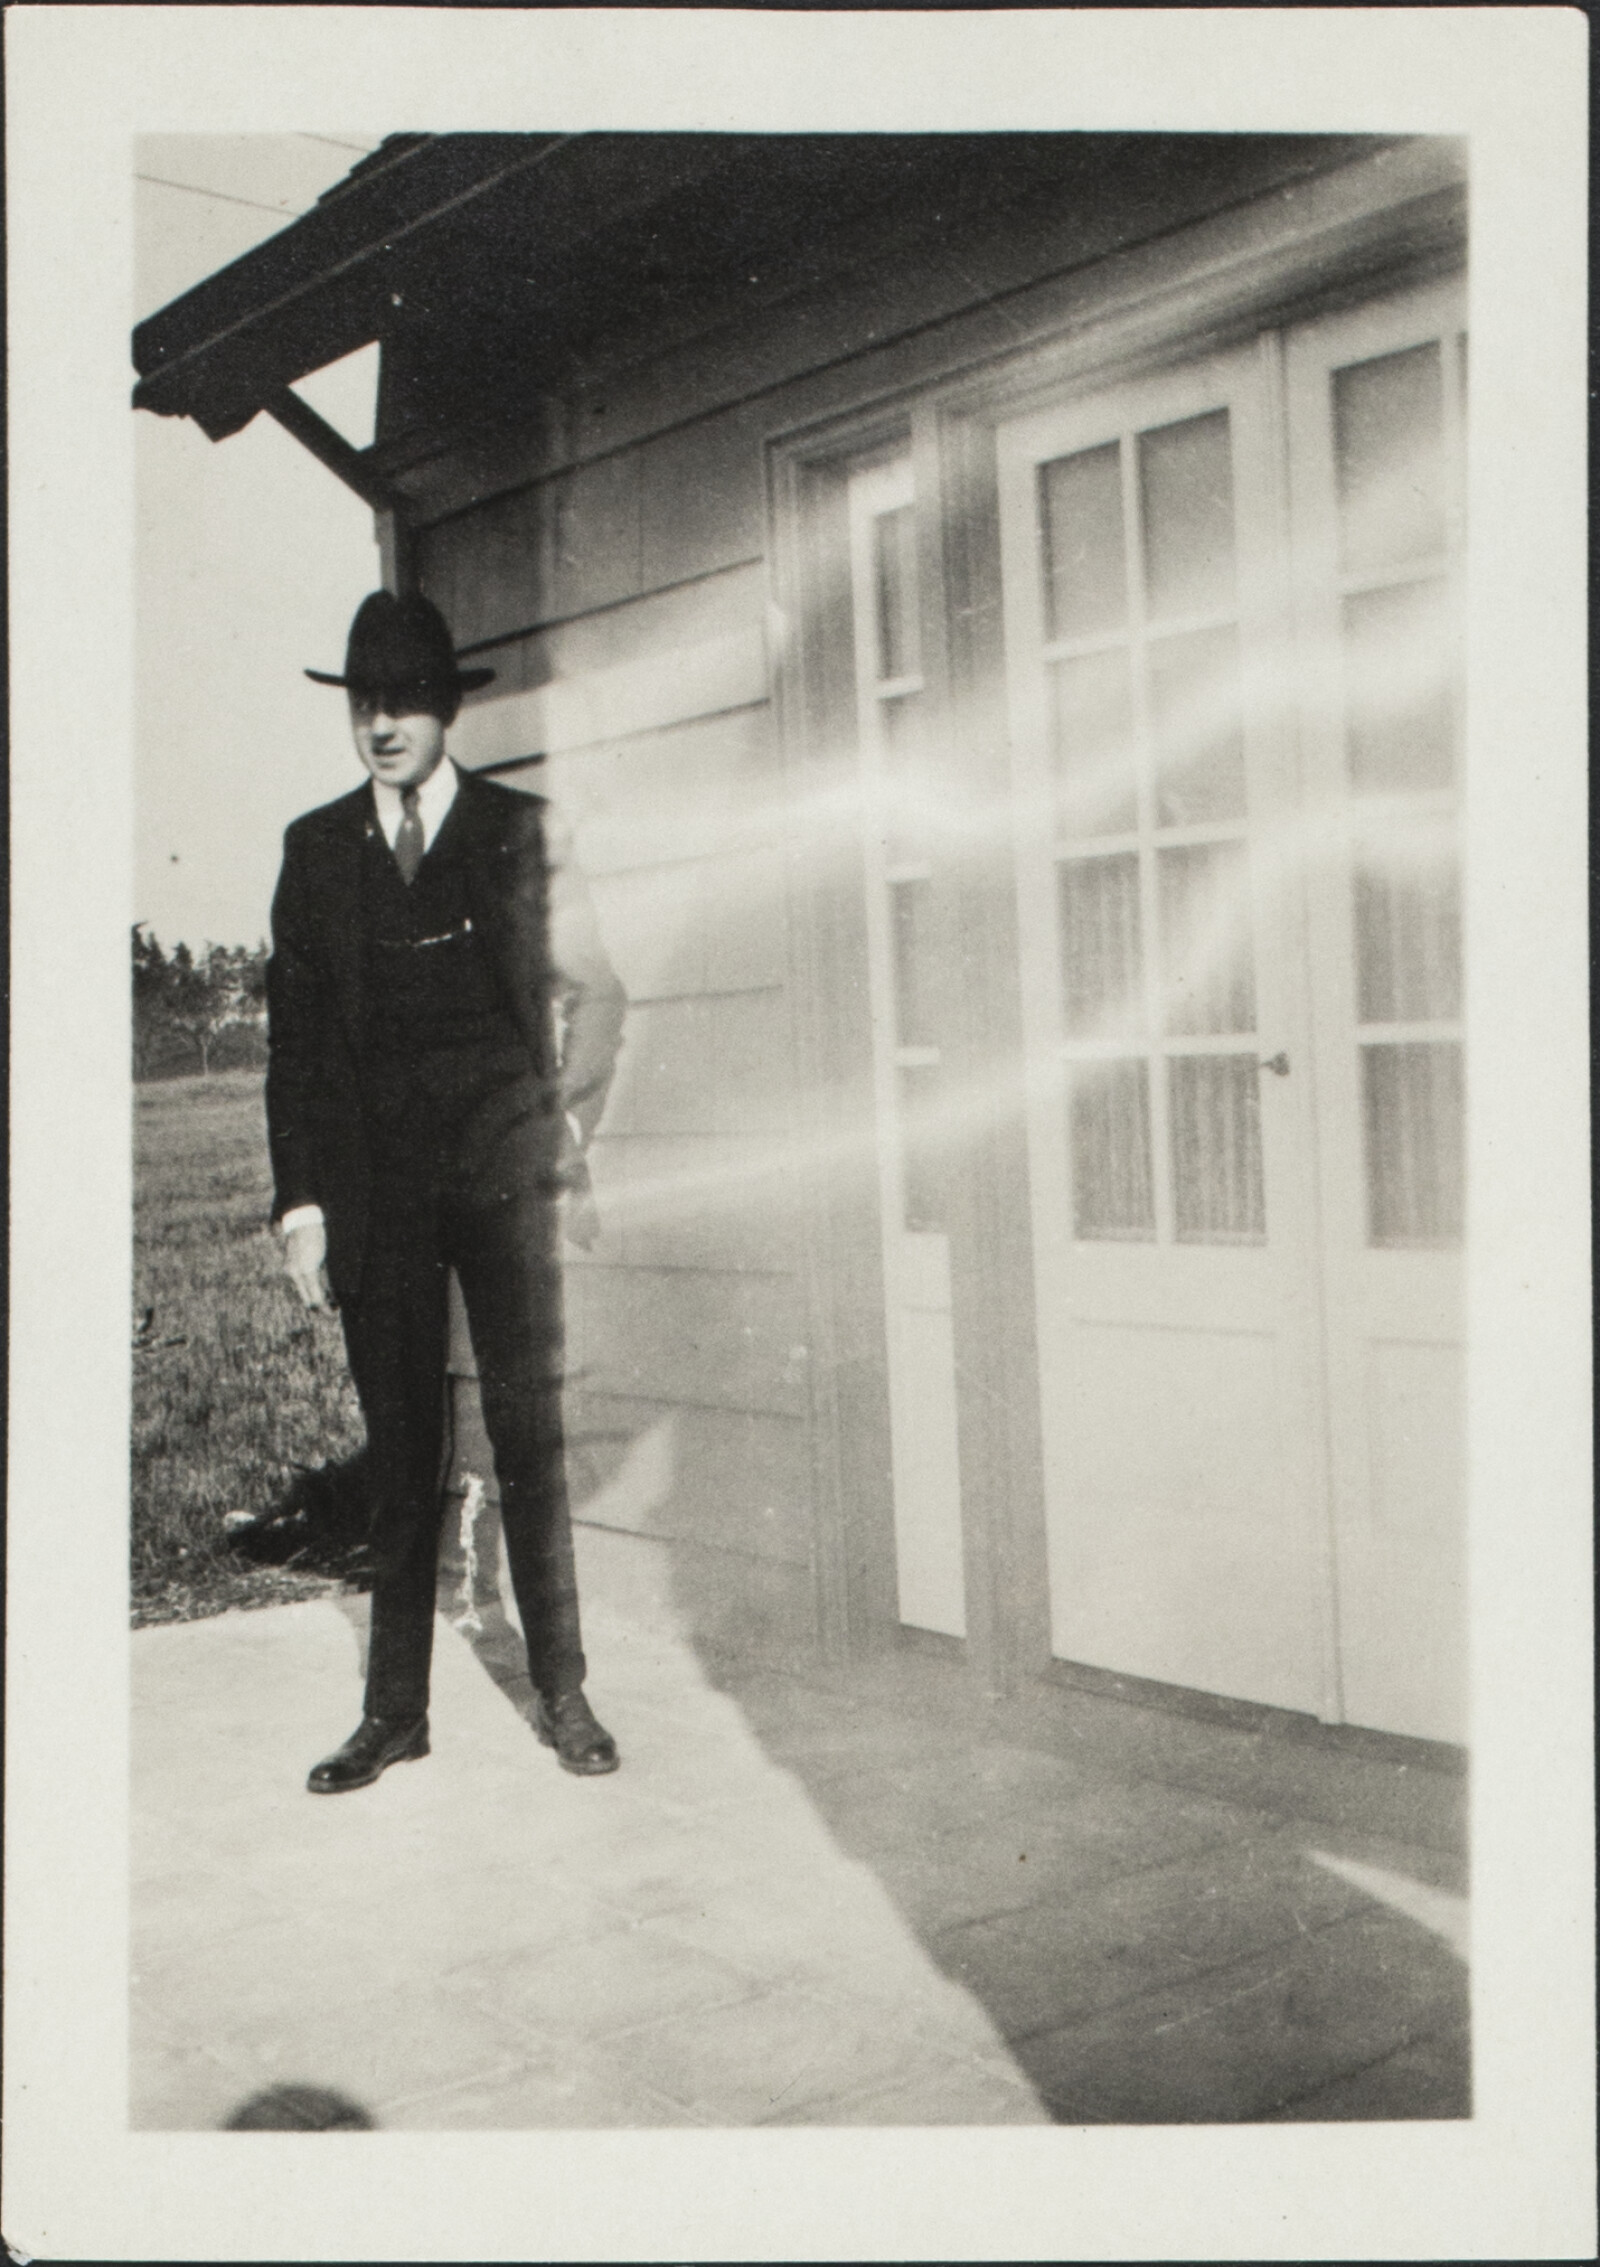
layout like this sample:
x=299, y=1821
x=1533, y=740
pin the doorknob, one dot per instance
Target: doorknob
x=1278, y=1064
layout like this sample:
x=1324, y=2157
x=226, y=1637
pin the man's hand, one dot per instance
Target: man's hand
x=580, y=1217
x=305, y=1253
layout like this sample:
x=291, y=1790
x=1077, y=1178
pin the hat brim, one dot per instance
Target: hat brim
x=467, y=680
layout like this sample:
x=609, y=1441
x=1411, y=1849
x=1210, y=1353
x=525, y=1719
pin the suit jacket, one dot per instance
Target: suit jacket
x=533, y=914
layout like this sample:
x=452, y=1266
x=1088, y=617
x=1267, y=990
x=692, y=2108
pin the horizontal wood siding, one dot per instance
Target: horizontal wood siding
x=599, y=532
x=714, y=789
x=668, y=511
x=485, y=570
x=725, y=1202
x=595, y=549
x=697, y=925
x=705, y=1337
x=645, y=692
x=704, y=1066
x=728, y=1480
x=701, y=496
x=727, y=1493
x=687, y=1355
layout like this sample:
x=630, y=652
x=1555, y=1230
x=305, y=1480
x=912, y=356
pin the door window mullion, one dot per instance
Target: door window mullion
x=1155, y=1084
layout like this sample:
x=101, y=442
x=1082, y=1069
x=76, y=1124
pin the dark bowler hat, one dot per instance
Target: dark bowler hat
x=403, y=644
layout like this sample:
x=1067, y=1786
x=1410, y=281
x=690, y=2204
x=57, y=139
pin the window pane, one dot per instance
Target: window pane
x=1413, y=1106
x=1112, y=1196
x=905, y=815
x=1408, y=928
x=895, y=574
x=1398, y=724
x=1102, y=964
x=1388, y=426
x=1094, y=743
x=1194, y=699
x=1186, y=494
x=1215, y=1101
x=910, y=903
x=1207, y=953
x=923, y=1141
x=1085, y=562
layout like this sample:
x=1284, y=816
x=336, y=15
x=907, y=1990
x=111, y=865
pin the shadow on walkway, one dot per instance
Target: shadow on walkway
x=1167, y=1919
x=810, y=1897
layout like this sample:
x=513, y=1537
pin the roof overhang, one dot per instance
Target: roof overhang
x=323, y=287
x=500, y=258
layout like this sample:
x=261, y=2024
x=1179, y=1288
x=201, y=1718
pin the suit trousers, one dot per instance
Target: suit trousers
x=499, y=1229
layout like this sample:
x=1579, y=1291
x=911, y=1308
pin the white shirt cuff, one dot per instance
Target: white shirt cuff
x=574, y=1128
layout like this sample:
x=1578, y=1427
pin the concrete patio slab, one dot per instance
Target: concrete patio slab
x=834, y=1896
x=481, y=1940
x=1253, y=2038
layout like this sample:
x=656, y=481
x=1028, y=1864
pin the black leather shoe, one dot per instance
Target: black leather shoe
x=567, y=1723
x=376, y=1742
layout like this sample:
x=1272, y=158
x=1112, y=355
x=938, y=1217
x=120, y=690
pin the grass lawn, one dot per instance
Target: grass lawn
x=237, y=1393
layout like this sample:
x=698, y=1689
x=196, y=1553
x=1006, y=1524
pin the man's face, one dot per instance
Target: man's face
x=401, y=743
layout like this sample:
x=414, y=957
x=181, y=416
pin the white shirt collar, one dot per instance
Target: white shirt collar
x=434, y=798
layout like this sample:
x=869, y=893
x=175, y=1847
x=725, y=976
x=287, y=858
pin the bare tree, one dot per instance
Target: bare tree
x=193, y=1000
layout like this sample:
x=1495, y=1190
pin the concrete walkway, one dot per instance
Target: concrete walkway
x=849, y=1898
x=481, y=1940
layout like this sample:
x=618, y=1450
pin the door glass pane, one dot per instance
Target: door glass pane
x=894, y=575
x=1093, y=703
x=909, y=906
x=1085, y=561
x=905, y=814
x=1215, y=1103
x=1388, y=425
x=1408, y=928
x=1112, y=1196
x=1186, y=495
x=1399, y=729
x=1207, y=957
x=1412, y=1094
x=922, y=1147
x=1194, y=699
x=1102, y=961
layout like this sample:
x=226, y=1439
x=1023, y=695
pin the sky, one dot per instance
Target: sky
x=251, y=558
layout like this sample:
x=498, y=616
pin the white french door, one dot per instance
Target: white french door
x=1170, y=1135
x=1376, y=400
x=890, y=715
x=1228, y=663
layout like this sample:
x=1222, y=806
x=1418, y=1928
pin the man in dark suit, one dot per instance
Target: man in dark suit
x=443, y=1026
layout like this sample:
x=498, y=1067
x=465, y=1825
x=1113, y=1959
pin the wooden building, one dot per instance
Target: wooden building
x=987, y=605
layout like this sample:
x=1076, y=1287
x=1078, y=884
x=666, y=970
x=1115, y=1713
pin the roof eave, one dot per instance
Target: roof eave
x=317, y=290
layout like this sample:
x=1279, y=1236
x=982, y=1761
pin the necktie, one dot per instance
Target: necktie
x=408, y=841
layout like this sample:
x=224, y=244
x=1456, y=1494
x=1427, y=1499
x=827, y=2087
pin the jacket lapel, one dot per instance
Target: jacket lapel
x=343, y=858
